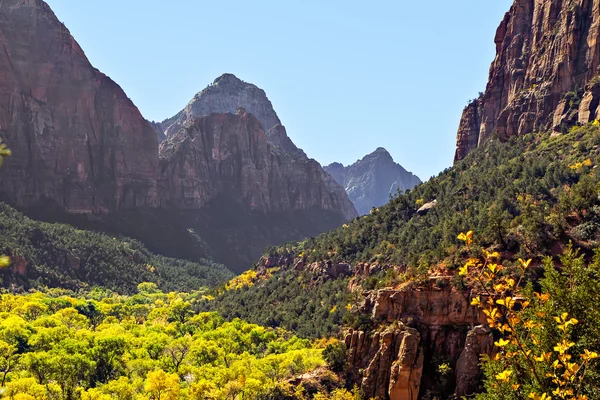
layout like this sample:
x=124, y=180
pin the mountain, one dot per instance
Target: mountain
x=546, y=74
x=225, y=95
x=371, y=182
x=77, y=140
x=228, y=155
x=83, y=154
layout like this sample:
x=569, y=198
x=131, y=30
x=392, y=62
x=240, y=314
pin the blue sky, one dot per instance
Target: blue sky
x=344, y=77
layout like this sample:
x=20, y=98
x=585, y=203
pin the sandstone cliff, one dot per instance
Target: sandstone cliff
x=417, y=331
x=545, y=75
x=371, y=181
x=83, y=154
x=77, y=140
x=228, y=155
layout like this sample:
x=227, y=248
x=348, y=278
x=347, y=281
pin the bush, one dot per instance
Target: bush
x=336, y=355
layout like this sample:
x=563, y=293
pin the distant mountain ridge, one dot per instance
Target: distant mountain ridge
x=371, y=181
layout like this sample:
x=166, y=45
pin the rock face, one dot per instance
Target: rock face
x=545, y=75
x=299, y=182
x=417, y=331
x=77, y=140
x=227, y=155
x=83, y=154
x=225, y=95
x=393, y=366
x=371, y=181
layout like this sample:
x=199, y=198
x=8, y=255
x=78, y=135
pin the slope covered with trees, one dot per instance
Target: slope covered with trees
x=527, y=197
x=58, y=255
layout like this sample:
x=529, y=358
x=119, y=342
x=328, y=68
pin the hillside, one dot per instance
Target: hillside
x=525, y=198
x=61, y=256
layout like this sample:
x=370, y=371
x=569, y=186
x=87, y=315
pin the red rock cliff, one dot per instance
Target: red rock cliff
x=544, y=76
x=416, y=332
x=77, y=140
x=228, y=155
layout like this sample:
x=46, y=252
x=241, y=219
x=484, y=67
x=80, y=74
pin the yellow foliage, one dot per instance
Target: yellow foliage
x=161, y=385
x=518, y=348
x=586, y=163
x=244, y=280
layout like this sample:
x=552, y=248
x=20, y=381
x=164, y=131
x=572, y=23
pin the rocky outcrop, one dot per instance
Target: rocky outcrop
x=227, y=155
x=371, y=181
x=425, y=208
x=391, y=361
x=77, y=140
x=225, y=95
x=417, y=330
x=468, y=374
x=544, y=76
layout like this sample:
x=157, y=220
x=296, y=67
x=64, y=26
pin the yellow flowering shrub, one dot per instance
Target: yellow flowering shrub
x=536, y=354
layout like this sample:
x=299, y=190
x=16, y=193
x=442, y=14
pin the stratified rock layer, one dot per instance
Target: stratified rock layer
x=417, y=330
x=228, y=155
x=371, y=181
x=77, y=140
x=544, y=76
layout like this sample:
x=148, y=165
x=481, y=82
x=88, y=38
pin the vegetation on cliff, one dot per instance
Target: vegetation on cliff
x=548, y=336
x=526, y=198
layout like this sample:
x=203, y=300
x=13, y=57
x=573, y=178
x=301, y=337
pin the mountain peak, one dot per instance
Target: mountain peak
x=371, y=181
x=228, y=79
x=381, y=152
x=225, y=95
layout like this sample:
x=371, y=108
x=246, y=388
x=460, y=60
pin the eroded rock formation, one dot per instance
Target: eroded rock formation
x=415, y=331
x=77, y=140
x=418, y=330
x=545, y=75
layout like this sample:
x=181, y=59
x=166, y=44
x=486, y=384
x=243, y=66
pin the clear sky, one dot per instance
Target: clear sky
x=345, y=77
